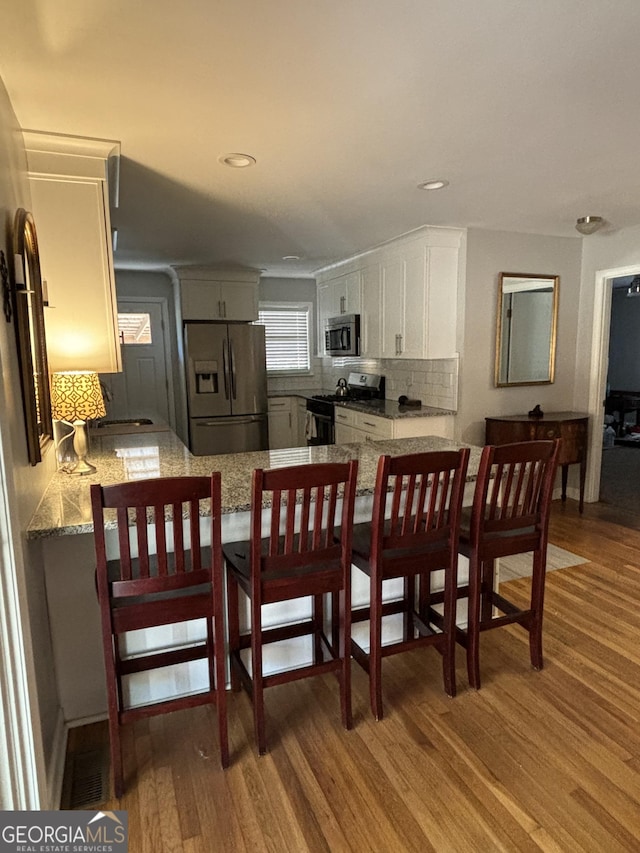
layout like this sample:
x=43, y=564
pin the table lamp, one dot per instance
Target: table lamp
x=76, y=397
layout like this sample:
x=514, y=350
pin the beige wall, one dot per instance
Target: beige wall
x=24, y=614
x=488, y=254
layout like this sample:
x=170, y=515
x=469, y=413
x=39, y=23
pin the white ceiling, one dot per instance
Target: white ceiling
x=529, y=108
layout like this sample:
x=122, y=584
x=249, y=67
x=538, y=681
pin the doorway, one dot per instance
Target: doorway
x=598, y=375
x=144, y=389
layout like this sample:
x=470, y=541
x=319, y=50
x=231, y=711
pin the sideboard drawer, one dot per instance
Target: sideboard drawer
x=571, y=427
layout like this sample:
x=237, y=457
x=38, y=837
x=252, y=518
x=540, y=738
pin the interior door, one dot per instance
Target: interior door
x=142, y=390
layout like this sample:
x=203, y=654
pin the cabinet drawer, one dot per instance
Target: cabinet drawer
x=545, y=432
x=344, y=416
x=374, y=426
x=281, y=404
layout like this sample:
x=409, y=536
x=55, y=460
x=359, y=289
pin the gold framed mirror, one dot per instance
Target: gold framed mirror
x=30, y=336
x=526, y=329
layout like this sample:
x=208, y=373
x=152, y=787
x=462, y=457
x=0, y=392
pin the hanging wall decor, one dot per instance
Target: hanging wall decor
x=30, y=335
x=7, y=306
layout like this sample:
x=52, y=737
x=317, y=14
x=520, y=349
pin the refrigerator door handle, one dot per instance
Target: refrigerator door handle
x=232, y=365
x=221, y=422
x=225, y=368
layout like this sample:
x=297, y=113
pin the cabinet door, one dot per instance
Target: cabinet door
x=326, y=309
x=442, y=301
x=239, y=301
x=301, y=422
x=370, y=313
x=350, y=293
x=392, y=307
x=215, y=300
x=414, y=341
x=74, y=236
x=201, y=300
x=280, y=423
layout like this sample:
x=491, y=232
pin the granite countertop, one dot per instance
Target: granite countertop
x=391, y=409
x=305, y=393
x=380, y=408
x=65, y=508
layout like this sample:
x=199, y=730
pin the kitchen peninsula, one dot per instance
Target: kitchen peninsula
x=62, y=528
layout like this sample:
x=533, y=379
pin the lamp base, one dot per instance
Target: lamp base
x=80, y=447
x=83, y=467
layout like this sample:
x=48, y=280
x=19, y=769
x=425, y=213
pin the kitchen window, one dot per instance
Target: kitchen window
x=286, y=326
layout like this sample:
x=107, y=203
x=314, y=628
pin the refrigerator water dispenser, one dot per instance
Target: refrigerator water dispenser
x=206, y=377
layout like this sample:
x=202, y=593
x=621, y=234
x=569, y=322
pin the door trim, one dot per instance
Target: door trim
x=598, y=371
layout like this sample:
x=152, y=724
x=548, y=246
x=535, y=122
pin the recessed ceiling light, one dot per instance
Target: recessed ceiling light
x=433, y=185
x=291, y=258
x=237, y=161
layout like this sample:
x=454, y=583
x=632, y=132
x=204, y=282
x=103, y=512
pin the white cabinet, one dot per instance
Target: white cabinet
x=301, y=421
x=418, y=301
x=346, y=433
x=354, y=426
x=370, y=325
x=337, y=295
x=408, y=294
x=70, y=189
x=212, y=294
x=281, y=428
x=357, y=426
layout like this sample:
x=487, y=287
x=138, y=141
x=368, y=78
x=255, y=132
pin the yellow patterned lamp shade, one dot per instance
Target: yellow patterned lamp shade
x=76, y=396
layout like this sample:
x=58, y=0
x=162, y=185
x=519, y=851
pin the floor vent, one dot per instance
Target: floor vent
x=87, y=779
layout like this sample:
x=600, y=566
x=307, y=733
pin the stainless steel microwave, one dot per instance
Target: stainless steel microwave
x=342, y=335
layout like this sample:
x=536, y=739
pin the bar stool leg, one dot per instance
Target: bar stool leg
x=473, y=623
x=375, y=647
x=256, y=677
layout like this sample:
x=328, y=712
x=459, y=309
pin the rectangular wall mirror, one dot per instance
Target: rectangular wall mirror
x=526, y=329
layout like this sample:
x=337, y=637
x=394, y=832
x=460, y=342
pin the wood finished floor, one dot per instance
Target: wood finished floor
x=533, y=761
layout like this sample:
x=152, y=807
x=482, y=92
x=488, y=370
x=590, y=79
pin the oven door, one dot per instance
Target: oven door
x=320, y=428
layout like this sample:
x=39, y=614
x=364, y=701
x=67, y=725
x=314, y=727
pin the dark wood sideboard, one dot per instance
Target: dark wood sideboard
x=571, y=427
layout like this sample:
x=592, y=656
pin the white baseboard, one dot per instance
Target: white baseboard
x=55, y=770
x=86, y=721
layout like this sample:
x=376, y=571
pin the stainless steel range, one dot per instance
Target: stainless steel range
x=320, y=412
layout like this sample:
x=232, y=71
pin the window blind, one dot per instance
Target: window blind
x=286, y=337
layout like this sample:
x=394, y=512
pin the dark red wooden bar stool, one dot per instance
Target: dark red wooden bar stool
x=510, y=515
x=412, y=534
x=158, y=578
x=301, y=548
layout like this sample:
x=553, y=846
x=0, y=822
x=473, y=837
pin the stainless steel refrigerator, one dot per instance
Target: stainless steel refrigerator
x=226, y=388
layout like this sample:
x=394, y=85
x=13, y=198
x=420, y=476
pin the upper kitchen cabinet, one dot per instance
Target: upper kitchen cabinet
x=341, y=295
x=338, y=294
x=72, y=181
x=409, y=294
x=214, y=294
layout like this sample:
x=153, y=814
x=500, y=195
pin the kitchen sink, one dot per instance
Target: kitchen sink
x=125, y=422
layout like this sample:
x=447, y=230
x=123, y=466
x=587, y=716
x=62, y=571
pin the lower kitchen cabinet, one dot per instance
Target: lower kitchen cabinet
x=281, y=426
x=300, y=405
x=353, y=426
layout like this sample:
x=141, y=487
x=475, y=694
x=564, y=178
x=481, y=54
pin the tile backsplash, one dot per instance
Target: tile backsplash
x=434, y=381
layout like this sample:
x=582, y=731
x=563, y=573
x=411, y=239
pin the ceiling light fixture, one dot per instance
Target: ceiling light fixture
x=634, y=287
x=237, y=161
x=589, y=224
x=433, y=185
x=291, y=257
